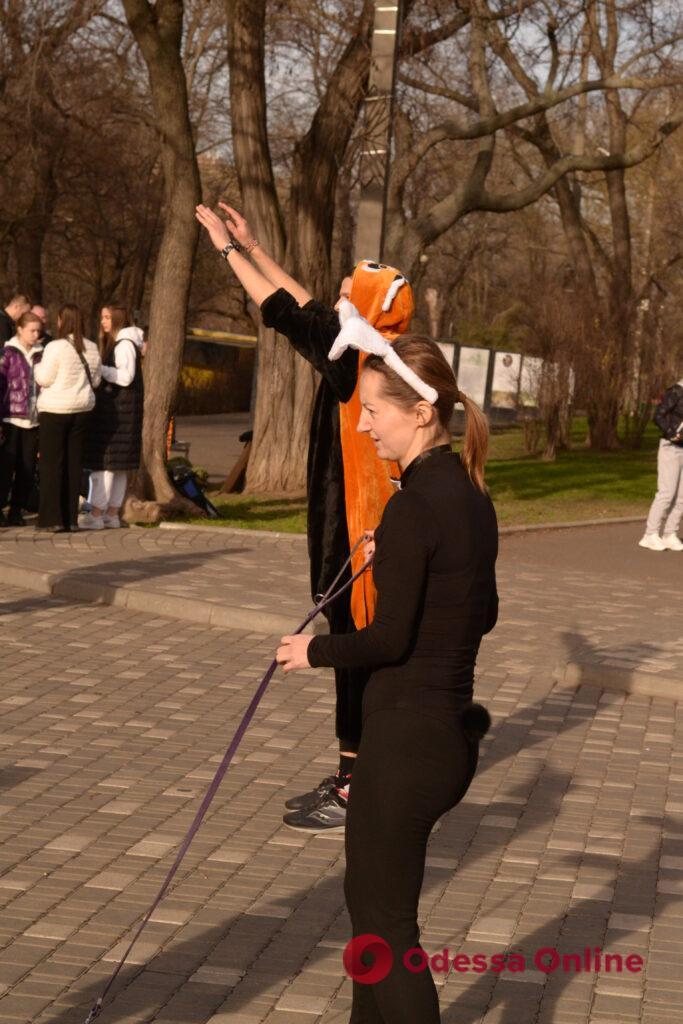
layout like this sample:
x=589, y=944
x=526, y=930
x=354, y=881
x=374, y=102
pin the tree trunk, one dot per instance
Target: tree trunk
x=28, y=234
x=158, y=32
x=286, y=384
x=281, y=418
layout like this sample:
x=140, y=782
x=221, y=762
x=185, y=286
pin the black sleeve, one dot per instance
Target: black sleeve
x=5, y=332
x=492, y=611
x=311, y=329
x=667, y=422
x=404, y=546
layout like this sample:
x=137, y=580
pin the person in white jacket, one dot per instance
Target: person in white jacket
x=114, y=438
x=68, y=374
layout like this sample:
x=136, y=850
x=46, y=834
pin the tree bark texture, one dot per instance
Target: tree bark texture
x=158, y=32
x=286, y=384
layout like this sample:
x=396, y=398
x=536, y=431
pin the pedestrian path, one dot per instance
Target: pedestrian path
x=585, y=604
x=112, y=722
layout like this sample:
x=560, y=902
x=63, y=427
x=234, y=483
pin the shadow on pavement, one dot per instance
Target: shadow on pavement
x=266, y=952
x=270, y=948
x=633, y=897
x=120, y=572
x=13, y=775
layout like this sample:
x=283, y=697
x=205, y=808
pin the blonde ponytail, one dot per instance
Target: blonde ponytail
x=476, y=444
x=427, y=360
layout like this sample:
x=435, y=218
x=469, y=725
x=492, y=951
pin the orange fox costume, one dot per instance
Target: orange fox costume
x=383, y=296
x=348, y=486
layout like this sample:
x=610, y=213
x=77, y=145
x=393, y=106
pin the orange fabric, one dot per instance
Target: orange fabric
x=366, y=478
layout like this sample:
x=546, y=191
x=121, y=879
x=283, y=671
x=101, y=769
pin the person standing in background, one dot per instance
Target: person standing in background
x=68, y=374
x=666, y=511
x=17, y=305
x=41, y=312
x=18, y=394
x=115, y=427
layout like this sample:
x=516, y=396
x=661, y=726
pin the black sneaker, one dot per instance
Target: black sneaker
x=298, y=803
x=327, y=815
x=15, y=518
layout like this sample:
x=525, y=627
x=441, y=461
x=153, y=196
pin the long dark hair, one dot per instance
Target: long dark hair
x=428, y=361
x=70, y=325
x=120, y=318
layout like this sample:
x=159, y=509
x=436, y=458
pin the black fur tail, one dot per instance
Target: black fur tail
x=476, y=721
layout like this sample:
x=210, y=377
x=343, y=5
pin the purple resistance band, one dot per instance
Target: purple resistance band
x=327, y=598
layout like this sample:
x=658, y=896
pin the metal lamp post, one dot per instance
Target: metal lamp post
x=377, y=113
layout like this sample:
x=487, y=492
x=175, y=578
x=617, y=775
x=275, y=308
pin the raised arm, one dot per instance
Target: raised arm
x=255, y=284
x=279, y=278
x=264, y=276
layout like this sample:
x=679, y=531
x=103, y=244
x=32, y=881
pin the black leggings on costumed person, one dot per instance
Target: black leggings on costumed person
x=427, y=764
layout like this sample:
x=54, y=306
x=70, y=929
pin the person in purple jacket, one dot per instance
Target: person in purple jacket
x=18, y=391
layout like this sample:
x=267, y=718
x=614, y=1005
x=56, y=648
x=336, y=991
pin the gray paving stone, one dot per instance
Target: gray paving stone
x=588, y=782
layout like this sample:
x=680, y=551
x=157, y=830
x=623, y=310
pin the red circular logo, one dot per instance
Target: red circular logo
x=366, y=948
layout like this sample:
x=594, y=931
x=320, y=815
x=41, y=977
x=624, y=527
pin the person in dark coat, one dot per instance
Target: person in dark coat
x=348, y=487
x=16, y=307
x=115, y=428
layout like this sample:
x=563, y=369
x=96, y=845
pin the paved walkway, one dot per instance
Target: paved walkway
x=586, y=603
x=214, y=441
x=112, y=721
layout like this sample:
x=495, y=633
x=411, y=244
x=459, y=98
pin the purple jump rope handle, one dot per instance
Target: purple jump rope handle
x=327, y=598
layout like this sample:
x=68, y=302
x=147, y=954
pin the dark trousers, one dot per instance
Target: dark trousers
x=18, y=455
x=350, y=683
x=61, y=457
x=410, y=770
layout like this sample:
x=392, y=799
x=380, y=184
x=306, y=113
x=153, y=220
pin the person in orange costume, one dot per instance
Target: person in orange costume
x=339, y=458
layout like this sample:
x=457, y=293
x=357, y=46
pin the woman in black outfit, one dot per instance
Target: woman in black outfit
x=434, y=570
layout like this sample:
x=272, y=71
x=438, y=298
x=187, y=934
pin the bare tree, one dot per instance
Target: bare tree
x=35, y=45
x=301, y=235
x=158, y=30
x=633, y=52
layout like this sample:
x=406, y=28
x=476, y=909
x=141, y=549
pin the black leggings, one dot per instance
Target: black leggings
x=350, y=683
x=18, y=456
x=410, y=770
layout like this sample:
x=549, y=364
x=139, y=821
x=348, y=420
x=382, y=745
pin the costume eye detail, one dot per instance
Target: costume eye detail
x=374, y=267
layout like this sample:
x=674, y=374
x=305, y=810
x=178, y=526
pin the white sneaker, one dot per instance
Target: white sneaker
x=672, y=542
x=652, y=541
x=90, y=522
x=111, y=522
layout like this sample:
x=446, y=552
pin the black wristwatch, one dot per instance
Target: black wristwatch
x=230, y=247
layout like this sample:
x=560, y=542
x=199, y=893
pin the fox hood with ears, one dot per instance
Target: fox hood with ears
x=384, y=297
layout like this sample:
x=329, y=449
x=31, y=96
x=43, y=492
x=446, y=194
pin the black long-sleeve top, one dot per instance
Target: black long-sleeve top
x=434, y=571
x=311, y=329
